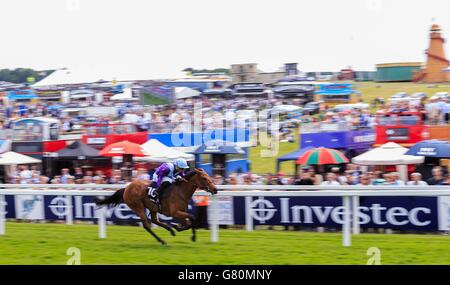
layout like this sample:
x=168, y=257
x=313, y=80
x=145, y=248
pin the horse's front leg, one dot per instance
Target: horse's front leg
x=184, y=225
x=187, y=221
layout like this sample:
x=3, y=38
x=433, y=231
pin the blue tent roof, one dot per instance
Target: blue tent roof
x=21, y=94
x=335, y=89
x=55, y=107
x=431, y=148
x=294, y=155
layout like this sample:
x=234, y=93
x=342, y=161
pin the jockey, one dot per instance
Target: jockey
x=167, y=173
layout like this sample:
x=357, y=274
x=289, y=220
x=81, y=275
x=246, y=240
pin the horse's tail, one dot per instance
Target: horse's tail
x=115, y=199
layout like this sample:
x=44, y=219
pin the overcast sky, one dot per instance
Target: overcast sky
x=158, y=38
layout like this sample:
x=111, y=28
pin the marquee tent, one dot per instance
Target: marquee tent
x=431, y=148
x=65, y=77
x=127, y=95
x=185, y=92
x=389, y=154
x=286, y=108
x=78, y=150
x=14, y=158
x=292, y=156
x=219, y=147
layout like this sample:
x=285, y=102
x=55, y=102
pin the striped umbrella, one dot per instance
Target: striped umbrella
x=321, y=156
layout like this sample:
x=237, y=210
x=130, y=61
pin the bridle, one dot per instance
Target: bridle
x=201, y=187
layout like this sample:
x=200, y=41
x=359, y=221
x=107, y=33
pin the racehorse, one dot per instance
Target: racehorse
x=174, y=201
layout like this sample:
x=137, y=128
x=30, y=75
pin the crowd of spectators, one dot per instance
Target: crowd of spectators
x=26, y=175
x=180, y=116
x=217, y=114
x=307, y=176
x=351, y=176
x=434, y=111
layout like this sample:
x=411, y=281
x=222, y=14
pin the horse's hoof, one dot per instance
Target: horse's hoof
x=174, y=226
x=173, y=233
x=162, y=242
x=193, y=238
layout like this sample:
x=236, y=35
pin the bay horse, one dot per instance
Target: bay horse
x=174, y=201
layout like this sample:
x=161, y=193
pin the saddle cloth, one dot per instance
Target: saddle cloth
x=153, y=194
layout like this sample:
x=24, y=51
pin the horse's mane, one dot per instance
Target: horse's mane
x=190, y=174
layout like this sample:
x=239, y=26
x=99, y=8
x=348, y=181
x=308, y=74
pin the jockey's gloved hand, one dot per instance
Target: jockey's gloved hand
x=178, y=178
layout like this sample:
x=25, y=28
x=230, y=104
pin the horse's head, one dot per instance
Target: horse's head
x=203, y=181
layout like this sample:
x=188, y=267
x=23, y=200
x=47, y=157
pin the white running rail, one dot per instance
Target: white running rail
x=350, y=199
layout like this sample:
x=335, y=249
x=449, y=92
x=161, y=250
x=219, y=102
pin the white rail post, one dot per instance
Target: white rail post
x=346, y=228
x=248, y=213
x=355, y=214
x=69, y=210
x=2, y=214
x=102, y=222
x=214, y=219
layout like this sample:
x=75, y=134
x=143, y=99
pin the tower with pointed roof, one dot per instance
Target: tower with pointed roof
x=436, y=66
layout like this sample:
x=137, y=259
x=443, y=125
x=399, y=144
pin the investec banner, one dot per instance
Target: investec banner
x=36, y=207
x=407, y=213
x=403, y=213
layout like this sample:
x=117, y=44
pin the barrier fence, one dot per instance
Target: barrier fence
x=346, y=201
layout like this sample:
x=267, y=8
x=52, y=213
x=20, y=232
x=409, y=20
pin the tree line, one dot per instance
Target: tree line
x=216, y=70
x=22, y=75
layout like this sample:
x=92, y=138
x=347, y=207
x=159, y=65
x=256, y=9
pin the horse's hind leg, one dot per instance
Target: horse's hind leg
x=156, y=221
x=154, y=215
x=146, y=224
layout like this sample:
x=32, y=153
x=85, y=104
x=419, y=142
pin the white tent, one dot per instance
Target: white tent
x=82, y=93
x=159, y=152
x=14, y=158
x=67, y=77
x=130, y=118
x=389, y=154
x=189, y=149
x=185, y=92
x=286, y=108
x=126, y=95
